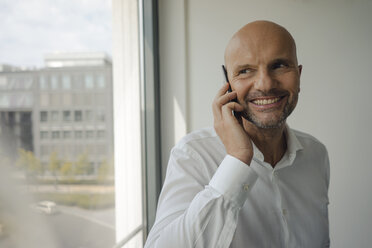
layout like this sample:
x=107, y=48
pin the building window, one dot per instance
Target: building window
x=43, y=116
x=100, y=134
x=66, y=115
x=43, y=82
x=55, y=134
x=89, y=83
x=44, y=135
x=66, y=82
x=88, y=115
x=66, y=134
x=89, y=134
x=78, y=115
x=100, y=81
x=78, y=134
x=54, y=82
x=55, y=116
x=100, y=115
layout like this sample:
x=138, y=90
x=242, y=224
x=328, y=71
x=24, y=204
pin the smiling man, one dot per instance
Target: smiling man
x=252, y=181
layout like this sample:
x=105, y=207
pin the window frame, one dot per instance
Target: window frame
x=147, y=115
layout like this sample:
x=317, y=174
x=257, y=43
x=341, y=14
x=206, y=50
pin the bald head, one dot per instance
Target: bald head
x=258, y=36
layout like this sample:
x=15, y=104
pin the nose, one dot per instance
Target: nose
x=265, y=81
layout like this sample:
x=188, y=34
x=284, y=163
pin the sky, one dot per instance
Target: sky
x=31, y=28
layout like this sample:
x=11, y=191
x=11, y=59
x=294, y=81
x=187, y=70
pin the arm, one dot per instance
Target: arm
x=193, y=215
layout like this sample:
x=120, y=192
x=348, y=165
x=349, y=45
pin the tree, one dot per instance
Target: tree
x=54, y=166
x=105, y=171
x=28, y=162
x=67, y=169
x=82, y=164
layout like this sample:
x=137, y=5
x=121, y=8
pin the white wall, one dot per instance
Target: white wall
x=334, y=40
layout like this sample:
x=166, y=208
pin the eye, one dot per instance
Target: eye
x=245, y=71
x=279, y=65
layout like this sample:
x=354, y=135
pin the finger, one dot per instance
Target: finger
x=220, y=101
x=227, y=109
x=222, y=90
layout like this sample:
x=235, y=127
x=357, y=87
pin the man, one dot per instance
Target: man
x=252, y=181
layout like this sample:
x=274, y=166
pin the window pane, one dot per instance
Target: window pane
x=66, y=82
x=78, y=134
x=66, y=115
x=55, y=116
x=89, y=84
x=48, y=126
x=43, y=116
x=100, y=81
x=43, y=83
x=43, y=135
x=54, y=82
x=66, y=134
x=88, y=115
x=55, y=134
x=78, y=115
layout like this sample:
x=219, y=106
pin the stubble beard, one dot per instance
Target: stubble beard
x=274, y=122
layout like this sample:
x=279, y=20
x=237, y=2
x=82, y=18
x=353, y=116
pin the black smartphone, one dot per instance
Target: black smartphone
x=236, y=114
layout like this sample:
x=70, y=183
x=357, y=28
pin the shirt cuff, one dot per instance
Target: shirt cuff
x=234, y=179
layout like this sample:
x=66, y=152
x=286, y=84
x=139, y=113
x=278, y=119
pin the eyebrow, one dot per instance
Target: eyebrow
x=281, y=60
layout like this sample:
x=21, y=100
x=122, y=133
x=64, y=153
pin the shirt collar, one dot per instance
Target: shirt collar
x=293, y=145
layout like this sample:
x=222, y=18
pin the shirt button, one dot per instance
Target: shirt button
x=284, y=211
x=246, y=187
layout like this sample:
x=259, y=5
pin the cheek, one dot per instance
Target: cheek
x=242, y=87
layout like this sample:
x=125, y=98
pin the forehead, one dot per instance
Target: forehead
x=260, y=46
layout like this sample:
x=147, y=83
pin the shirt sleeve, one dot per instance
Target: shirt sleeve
x=197, y=211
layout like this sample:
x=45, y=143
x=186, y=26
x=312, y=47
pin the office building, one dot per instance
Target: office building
x=65, y=107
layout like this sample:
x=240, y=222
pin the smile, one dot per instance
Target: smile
x=266, y=101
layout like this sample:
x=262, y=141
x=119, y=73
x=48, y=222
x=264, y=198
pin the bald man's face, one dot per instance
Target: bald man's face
x=262, y=69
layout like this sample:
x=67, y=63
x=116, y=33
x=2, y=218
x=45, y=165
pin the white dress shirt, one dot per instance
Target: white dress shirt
x=210, y=199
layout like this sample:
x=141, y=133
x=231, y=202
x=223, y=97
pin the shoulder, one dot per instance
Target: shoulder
x=199, y=139
x=309, y=141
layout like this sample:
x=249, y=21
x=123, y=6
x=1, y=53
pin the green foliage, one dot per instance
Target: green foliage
x=54, y=163
x=105, y=171
x=82, y=164
x=28, y=162
x=67, y=169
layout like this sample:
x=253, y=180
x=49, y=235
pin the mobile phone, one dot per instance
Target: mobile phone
x=236, y=114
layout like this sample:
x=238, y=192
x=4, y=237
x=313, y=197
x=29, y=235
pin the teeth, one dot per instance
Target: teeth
x=266, y=101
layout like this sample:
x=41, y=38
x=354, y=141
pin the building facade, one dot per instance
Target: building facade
x=64, y=108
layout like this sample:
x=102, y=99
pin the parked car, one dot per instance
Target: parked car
x=45, y=207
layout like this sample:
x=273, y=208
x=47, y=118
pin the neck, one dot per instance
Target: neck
x=271, y=142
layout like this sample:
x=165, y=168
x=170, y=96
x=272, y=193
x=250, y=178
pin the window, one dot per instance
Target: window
x=44, y=135
x=66, y=115
x=43, y=116
x=69, y=125
x=54, y=82
x=66, y=82
x=89, y=134
x=78, y=134
x=100, y=134
x=66, y=134
x=88, y=115
x=100, y=115
x=78, y=115
x=43, y=82
x=101, y=81
x=55, y=116
x=55, y=134
x=89, y=83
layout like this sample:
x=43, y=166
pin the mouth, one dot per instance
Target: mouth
x=267, y=101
